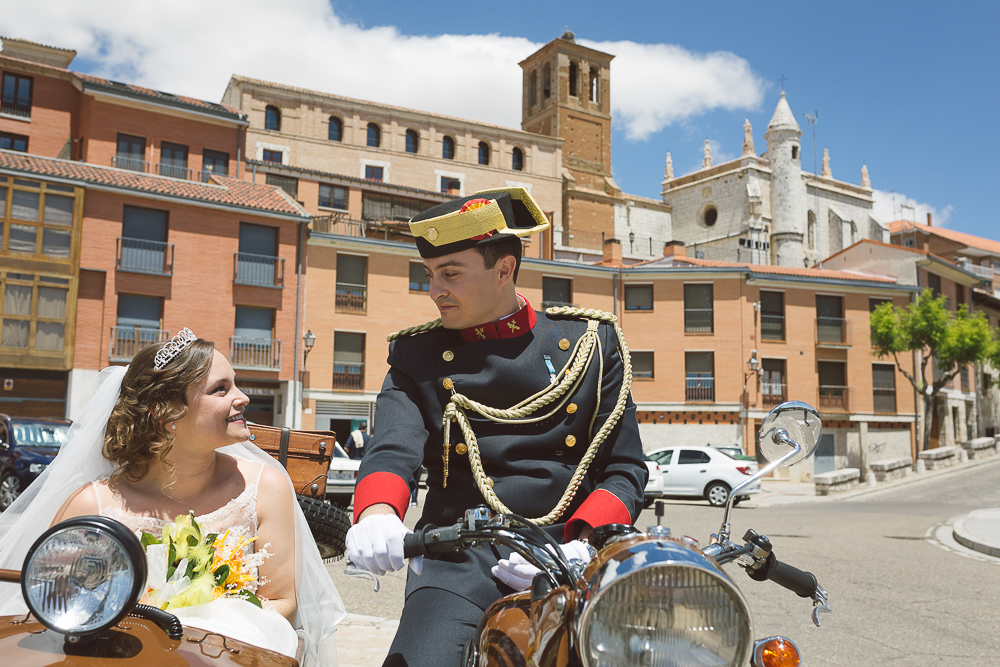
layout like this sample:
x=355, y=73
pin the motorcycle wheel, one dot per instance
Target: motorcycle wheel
x=717, y=494
x=329, y=526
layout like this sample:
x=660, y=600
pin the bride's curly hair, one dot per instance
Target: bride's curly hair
x=139, y=430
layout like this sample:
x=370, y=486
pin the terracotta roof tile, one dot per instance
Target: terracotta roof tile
x=222, y=190
x=989, y=245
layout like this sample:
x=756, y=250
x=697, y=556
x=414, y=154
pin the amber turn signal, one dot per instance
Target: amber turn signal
x=776, y=652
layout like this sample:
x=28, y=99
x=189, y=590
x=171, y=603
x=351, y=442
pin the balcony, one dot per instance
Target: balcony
x=984, y=272
x=12, y=105
x=142, y=256
x=348, y=377
x=351, y=298
x=127, y=341
x=772, y=327
x=834, y=399
x=773, y=393
x=259, y=270
x=698, y=320
x=174, y=171
x=832, y=332
x=700, y=390
x=340, y=224
x=255, y=354
x=130, y=163
x=884, y=400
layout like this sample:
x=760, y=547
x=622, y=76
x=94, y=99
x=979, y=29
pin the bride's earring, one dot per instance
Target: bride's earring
x=173, y=426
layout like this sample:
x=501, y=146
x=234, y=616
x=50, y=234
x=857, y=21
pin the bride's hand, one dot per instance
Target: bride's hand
x=376, y=544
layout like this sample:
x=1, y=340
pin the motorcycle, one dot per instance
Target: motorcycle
x=645, y=598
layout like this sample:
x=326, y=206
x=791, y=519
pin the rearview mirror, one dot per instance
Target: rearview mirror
x=795, y=421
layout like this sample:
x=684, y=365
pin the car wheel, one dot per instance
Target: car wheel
x=717, y=493
x=10, y=489
x=328, y=524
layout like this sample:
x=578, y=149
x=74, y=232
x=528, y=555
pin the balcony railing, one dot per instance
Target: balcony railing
x=260, y=270
x=772, y=327
x=339, y=223
x=698, y=320
x=142, y=256
x=885, y=400
x=832, y=331
x=348, y=377
x=834, y=399
x=206, y=174
x=981, y=271
x=13, y=105
x=130, y=163
x=261, y=354
x=773, y=393
x=352, y=298
x=127, y=341
x=173, y=171
x=700, y=390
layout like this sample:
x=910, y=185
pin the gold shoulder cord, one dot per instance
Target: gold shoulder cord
x=427, y=326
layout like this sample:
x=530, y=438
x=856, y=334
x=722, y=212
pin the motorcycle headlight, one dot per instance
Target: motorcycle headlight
x=83, y=575
x=661, y=602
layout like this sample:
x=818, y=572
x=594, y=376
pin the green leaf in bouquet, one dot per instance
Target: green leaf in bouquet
x=148, y=539
x=250, y=597
x=221, y=574
x=171, y=558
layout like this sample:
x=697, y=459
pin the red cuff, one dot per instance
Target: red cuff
x=600, y=508
x=381, y=487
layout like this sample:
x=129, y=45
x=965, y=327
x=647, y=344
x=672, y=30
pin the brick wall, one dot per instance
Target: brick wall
x=53, y=115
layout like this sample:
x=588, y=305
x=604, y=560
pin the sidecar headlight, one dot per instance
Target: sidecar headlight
x=83, y=575
x=661, y=602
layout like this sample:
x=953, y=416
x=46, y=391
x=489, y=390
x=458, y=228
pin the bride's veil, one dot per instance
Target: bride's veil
x=80, y=461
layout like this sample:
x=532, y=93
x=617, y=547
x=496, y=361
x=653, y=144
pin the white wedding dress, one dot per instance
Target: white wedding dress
x=231, y=617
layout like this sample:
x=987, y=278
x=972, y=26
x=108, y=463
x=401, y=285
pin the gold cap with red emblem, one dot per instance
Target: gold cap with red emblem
x=485, y=217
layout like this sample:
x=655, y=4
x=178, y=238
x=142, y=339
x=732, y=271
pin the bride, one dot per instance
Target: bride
x=165, y=437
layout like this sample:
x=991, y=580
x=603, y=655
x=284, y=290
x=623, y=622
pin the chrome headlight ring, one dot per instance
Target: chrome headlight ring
x=83, y=575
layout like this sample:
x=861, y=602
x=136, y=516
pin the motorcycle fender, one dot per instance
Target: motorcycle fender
x=503, y=633
x=549, y=643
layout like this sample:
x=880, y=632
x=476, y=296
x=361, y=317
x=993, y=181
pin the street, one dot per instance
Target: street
x=898, y=596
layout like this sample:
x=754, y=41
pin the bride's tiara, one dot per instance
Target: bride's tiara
x=173, y=347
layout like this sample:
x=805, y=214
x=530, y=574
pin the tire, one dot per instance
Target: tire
x=10, y=489
x=717, y=493
x=329, y=525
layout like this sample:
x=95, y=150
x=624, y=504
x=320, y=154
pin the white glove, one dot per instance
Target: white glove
x=517, y=573
x=376, y=544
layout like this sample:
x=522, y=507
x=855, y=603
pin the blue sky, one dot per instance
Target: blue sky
x=910, y=88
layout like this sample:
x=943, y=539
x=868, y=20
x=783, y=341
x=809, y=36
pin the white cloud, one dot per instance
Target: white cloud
x=192, y=48
x=891, y=206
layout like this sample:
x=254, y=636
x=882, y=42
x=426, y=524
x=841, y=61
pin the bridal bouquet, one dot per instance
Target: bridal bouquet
x=187, y=568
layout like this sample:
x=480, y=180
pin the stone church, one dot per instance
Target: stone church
x=765, y=209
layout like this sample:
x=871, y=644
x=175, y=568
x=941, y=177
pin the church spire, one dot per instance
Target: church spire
x=826, y=173
x=748, y=139
x=866, y=181
x=707, y=160
x=783, y=118
x=668, y=170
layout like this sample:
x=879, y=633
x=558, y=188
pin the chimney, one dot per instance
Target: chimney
x=613, y=251
x=930, y=222
x=674, y=249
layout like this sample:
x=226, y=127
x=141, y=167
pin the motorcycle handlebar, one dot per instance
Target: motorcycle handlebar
x=413, y=545
x=797, y=581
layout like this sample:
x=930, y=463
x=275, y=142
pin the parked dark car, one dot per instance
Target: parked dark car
x=27, y=445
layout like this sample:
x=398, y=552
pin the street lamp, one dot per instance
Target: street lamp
x=753, y=368
x=308, y=341
x=752, y=364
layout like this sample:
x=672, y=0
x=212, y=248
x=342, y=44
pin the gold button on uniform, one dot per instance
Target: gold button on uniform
x=431, y=234
x=461, y=449
x=564, y=344
x=571, y=408
x=448, y=355
x=447, y=383
x=570, y=440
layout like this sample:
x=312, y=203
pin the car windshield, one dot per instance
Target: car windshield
x=39, y=434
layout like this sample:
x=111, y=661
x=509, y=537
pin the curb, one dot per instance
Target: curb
x=966, y=539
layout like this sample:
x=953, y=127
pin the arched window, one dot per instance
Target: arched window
x=484, y=153
x=811, y=230
x=374, y=135
x=594, y=75
x=574, y=74
x=546, y=81
x=336, y=129
x=412, y=141
x=517, y=159
x=272, y=118
x=533, y=87
x=448, y=148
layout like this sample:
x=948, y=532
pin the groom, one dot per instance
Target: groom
x=492, y=347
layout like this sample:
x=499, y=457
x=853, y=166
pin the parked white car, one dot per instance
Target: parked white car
x=341, y=477
x=654, y=485
x=703, y=472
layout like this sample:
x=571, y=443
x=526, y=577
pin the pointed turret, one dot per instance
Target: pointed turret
x=668, y=170
x=748, y=149
x=866, y=181
x=788, y=190
x=826, y=173
x=783, y=118
x=706, y=162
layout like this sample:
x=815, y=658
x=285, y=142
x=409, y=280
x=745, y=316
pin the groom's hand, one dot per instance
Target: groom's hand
x=375, y=543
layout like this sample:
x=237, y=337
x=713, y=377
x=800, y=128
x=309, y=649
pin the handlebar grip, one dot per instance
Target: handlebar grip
x=413, y=545
x=788, y=576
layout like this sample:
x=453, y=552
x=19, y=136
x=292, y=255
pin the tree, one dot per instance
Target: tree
x=952, y=339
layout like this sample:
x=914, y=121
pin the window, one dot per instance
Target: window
x=352, y=283
x=273, y=156
x=16, y=97
x=517, y=159
x=348, y=361
x=772, y=315
x=594, y=76
x=272, y=118
x=448, y=148
x=811, y=230
x=253, y=345
x=698, y=309
x=137, y=326
x=533, y=87
x=662, y=457
x=286, y=183
x=963, y=374
x=692, y=457
x=831, y=327
x=376, y=206
x=214, y=162
x=484, y=153
x=795, y=152
x=374, y=135
x=574, y=75
x=34, y=312
x=700, y=377
x=556, y=292
x=833, y=392
x=173, y=160
x=330, y=196
x=13, y=142
x=934, y=282
x=412, y=141
x=143, y=246
x=959, y=295
x=41, y=221
x=257, y=262
x=772, y=382
x=546, y=81
x=419, y=280
x=884, y=387
x=642, y=364
x=335, y=129
x=710, y=216
x=131, y=153
x=373, y=173
x=638, y=297
x=451, y=186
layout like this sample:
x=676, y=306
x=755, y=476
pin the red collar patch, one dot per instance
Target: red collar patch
x=512, y=326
